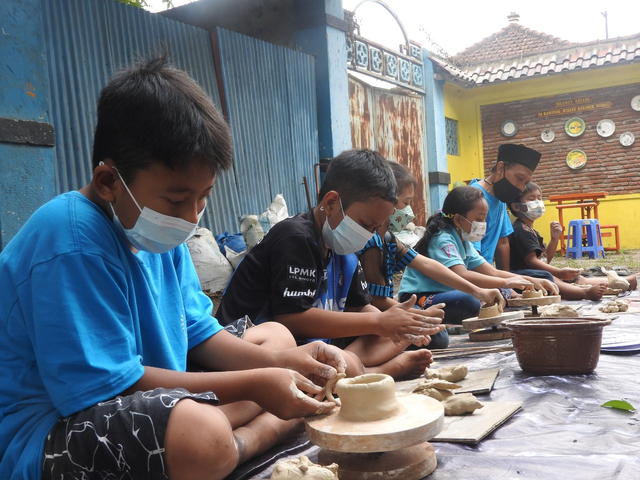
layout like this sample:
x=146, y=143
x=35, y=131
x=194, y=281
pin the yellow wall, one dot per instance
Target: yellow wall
x=464, y=105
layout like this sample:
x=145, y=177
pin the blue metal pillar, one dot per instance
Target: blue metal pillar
x=438, y=175
x=321, y=33
x=27, y=159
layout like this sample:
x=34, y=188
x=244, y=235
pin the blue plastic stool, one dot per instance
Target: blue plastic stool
x=593, y=248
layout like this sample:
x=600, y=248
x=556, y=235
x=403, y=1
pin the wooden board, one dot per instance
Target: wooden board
x=480, y=381
x=474, y=427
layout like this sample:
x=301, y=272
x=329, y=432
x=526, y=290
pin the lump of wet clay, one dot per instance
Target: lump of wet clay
x=328, y=388
x=436, y=383
x=615, y=281
x=460, y=404
x=303, y=468
x=559, y=310
x=490, y=311
x=532, y=294
x=452, y=373
x=618, y=305
x=434, y=393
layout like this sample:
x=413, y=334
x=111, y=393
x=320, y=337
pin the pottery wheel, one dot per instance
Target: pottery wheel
x=476, y=323
x=534, y=303
x=416, y=461
x=420, y=419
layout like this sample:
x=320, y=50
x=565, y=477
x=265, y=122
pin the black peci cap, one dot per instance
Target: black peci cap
x=511, y=152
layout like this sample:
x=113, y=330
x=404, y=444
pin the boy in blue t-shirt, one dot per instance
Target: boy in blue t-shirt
x=508, y=178
x=101, y=308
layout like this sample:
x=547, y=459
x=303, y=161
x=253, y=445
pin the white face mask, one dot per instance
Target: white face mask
x=478, y=230
x=155, y=232
x=533, y=209
x=348, y=237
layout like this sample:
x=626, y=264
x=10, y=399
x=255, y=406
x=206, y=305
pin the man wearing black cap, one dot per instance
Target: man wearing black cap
x=511, y=173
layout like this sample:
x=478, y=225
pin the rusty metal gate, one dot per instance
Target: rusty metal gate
x=394, y=125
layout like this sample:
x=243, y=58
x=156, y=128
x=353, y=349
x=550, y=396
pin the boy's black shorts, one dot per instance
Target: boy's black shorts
x=121, y=438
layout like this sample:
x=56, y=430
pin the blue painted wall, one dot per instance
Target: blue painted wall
x=26, y=171
x=435, y=134
x=327, y=45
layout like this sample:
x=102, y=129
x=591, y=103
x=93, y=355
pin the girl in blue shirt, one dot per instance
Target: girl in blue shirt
x=448, y=240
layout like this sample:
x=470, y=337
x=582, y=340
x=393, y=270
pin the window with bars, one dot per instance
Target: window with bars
x=451, y=131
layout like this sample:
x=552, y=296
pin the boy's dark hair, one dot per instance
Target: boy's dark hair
x=529, y=188
x=403, y=177
x=460, y=200
x=358, y=175
x=156, y=114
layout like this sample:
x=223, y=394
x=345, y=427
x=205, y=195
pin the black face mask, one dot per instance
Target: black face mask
x=505, y=191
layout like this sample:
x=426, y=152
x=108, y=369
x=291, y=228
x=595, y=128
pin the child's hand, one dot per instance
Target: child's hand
x=402, y=322
x=556, y=230
x=545, y=285
x=286, y=394
x=517, y=282
x=435, y=311
x=568, y=273
x=315, y=359
x=490, y=296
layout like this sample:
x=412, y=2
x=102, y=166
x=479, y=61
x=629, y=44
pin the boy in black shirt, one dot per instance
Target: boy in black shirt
x=305, y=275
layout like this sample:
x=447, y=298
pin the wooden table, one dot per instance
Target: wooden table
x=587, y=202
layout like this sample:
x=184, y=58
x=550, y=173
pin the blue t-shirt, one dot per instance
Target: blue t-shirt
x=498, y=224
x=80, y=315
x=448, y=249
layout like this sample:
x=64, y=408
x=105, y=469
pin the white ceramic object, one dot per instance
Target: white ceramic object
x=606, y=127
x=548, y=135
x=627, y=139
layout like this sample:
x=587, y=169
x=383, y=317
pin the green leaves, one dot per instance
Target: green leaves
x=619, y=405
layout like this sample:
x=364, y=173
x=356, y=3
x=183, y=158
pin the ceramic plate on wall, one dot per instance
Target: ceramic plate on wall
x=627, y=139
x=574, y=127
x=509, y=128
x=547, y=135
x=606, y=128
x=576, y=159
x=635, y=103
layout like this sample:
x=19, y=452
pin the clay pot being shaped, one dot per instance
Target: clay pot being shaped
x=367, y=397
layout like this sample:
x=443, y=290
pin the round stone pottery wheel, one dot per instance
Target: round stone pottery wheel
x=393, y=444
x=416, y=419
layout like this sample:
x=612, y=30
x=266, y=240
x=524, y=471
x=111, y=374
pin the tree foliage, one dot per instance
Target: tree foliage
x=145, y=3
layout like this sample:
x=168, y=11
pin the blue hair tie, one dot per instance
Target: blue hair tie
x=445, y=215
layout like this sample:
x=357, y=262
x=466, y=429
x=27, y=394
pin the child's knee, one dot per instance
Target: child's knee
x=199, y=442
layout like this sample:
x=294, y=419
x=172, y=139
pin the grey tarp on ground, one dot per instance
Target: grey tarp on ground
x=561, y=431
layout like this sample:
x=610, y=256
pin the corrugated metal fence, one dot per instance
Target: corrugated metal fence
x=270, y=93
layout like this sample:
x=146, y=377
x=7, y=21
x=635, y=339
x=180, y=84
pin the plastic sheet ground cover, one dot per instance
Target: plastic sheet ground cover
x=561, y=432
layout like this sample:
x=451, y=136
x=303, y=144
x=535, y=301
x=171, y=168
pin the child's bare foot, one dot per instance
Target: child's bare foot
x=633, y=282
x=407, y=365
x=595, y=292
x=263, y=432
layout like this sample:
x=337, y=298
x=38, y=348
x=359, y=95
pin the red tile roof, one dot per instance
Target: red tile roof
x=517, y=52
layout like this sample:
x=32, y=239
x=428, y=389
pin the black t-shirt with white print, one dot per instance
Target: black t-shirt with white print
x=287, y=272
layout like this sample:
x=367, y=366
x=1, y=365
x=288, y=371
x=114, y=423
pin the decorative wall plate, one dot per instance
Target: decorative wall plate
x=509, y=128
x=606, y=128
x=574, y=127
x=547, y=135
x=627, y=139
x=635, y=103
x=576, y=159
